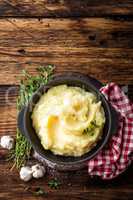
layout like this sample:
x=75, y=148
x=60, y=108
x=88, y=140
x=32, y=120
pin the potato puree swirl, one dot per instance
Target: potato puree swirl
x=68, y=120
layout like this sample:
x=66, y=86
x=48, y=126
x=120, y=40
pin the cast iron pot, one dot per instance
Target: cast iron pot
x=63, y=163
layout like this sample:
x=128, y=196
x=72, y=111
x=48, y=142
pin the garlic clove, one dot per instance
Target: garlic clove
x=38, y=171
x=7, y=142
x=25, y=173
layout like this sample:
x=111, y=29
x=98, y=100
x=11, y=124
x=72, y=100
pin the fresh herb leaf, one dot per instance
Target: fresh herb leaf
x=54, y=184
x=90, y=129
x=28, y=85
x=39, y=192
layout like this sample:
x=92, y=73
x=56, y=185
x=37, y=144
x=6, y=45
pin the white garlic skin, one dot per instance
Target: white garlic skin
x=38, y=171
x=7, y=142
x=25, y=173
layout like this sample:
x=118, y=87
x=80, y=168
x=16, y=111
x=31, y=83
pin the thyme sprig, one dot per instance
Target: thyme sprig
x=28, y=85
x=91, y=128
x=39, y=192
x=54, y=183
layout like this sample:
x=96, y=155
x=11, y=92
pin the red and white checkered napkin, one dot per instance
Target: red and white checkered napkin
x=116, y=157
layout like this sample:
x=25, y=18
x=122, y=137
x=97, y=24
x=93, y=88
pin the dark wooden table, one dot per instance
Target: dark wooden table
x=91, y=36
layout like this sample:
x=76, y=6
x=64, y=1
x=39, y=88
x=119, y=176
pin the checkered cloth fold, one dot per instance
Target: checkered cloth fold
x=113, y=159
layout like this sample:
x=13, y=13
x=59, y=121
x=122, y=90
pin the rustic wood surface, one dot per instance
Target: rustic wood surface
x=91, y=36
x=97, y=46
x=65, y=8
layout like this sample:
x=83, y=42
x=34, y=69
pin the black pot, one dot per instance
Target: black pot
x=69, y=162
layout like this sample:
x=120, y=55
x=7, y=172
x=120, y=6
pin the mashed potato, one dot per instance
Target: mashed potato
x=68, y=120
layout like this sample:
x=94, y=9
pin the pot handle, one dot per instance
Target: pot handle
x=20, y=121
x=95, y=82
x=115, y=118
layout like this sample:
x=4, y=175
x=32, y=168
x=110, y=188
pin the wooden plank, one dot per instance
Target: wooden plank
x=65, y=8
x=74, y=186
x=96, y=46
x=8, y=95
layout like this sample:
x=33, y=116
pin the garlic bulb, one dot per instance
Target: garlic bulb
x=25, y=173
x=38, y=171
x=7, y=142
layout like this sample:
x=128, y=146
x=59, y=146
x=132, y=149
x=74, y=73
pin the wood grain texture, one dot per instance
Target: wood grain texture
x=8, y=95
x=71, y=187
x=66, y=8
x=91, y=36
x=96, y=46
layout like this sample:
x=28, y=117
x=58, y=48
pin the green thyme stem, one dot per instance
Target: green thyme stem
x=28, y=85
